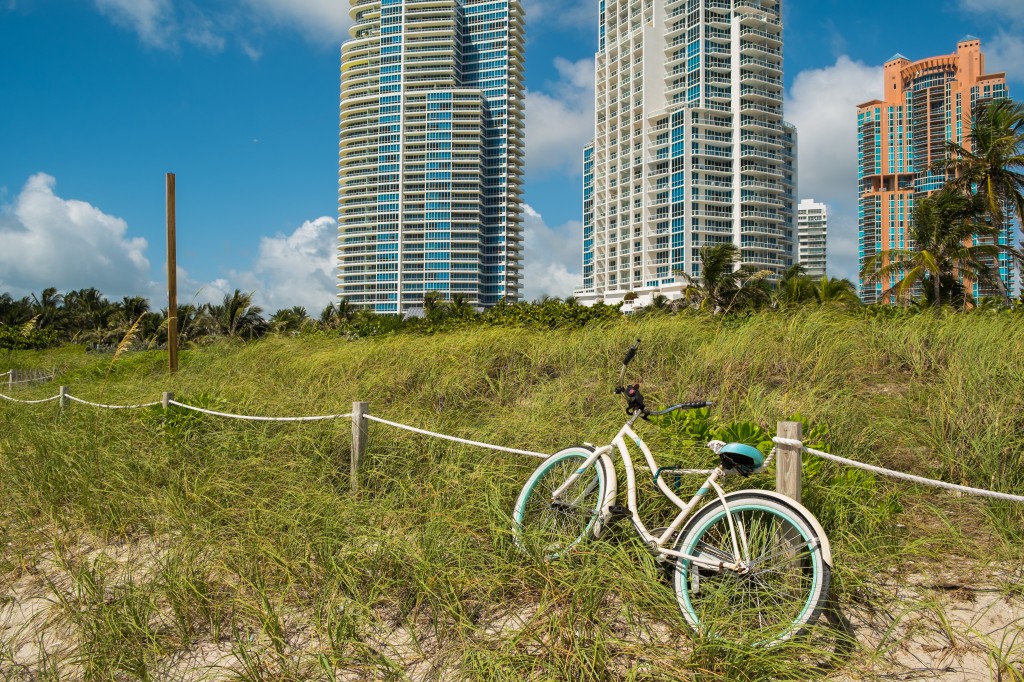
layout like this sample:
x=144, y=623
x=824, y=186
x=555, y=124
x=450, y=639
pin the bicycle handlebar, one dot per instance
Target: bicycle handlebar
x=631, y=353
x=682, y=406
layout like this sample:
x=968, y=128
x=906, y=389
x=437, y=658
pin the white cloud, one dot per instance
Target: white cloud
x=1010, y=9
x=552, y=257
x=294, y=269
x=49, y=241
x=320, y=20
x=46, y=240
x=560, y=120
x=151, y=19
x=579, y=14
x=822, y=105
x=166, y=24
x=1005, y=52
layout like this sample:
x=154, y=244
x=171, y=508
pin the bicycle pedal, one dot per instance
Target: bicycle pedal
x=618, y=510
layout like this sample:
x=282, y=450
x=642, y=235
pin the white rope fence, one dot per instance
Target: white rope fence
x=25, y=381
x=109, y=407
x=790, y=442
x=259, y=419
x=455, y=439
x=32, y=380
x=28, y=402
x=899, y=475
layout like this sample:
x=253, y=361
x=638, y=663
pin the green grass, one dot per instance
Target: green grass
x=187, y=540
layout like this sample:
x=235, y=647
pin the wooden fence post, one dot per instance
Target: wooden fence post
x=167, y=398
x=360, y=433
x=789, y=467
x=63, y=401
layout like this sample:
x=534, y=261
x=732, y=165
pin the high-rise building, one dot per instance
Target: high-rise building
x=926, y=104
x=690, y=146
x=431, y=153
x=812, y=229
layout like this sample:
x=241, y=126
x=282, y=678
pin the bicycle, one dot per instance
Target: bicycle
x=747, y=563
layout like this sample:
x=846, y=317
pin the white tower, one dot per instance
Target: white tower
x=690, y=145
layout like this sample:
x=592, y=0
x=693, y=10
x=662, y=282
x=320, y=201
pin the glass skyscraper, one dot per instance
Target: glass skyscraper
x=690, y=145
x=431, y=153
x=925, y=104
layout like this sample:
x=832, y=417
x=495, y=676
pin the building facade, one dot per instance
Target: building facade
x=926, y=104
x=812, y=229
x=431, y=153
x=690, y=145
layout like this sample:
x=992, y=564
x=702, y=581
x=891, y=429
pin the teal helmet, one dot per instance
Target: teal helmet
x=744, y=458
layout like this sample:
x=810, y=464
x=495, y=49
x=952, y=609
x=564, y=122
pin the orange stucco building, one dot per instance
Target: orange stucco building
x=924, y=104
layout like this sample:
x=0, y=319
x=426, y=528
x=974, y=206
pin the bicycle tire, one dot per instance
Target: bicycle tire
x=782, y=594
x=549, y=528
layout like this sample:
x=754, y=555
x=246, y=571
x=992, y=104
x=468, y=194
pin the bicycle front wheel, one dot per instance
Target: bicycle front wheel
x=782, y=587
x=548, y=527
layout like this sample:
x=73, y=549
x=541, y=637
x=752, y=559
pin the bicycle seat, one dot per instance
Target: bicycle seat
x=744, y=458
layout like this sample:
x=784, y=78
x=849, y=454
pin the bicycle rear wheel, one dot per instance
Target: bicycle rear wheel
x=547, y=527
x=784, y=587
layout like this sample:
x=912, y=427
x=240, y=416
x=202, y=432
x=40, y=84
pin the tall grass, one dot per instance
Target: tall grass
x=246, y=556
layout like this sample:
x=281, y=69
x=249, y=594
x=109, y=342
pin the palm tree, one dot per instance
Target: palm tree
x=835, y=291
x=991, y=165
x=721, y=287
x=795, y=286
x=289, y=320
x=15, y=311
x=944, y=228
x=238, y=317
x=87, y=310
x=48, y=307
x=337, y=314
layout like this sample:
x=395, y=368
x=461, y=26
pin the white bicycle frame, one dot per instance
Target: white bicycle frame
x=657, y=543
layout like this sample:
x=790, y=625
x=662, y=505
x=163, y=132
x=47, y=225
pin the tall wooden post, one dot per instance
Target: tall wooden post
x=360, y=433
x=789, y=467
x=172, y=278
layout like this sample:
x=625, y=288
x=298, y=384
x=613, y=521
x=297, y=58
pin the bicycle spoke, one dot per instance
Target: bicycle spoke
x=776, y=589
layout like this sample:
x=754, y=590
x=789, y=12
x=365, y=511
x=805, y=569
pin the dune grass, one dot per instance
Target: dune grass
x=184, y=546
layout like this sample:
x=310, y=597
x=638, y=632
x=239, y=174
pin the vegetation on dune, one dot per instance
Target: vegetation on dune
x=241, y=544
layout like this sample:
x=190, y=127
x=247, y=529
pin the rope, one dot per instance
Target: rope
x=109, y=407
x=28, y=381
x=454, y=439
x=28, y=402
x=5, y=373
x=896, y=474
x=260, y=419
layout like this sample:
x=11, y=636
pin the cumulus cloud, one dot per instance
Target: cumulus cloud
x=552, y=257
x=560, y=119
x=822, y=105
x=320, y=20
x=293, y=269
x=1004, y=51
x=46, y=240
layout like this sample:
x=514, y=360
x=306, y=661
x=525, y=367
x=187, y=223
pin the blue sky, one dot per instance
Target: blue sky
x=100, y=98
